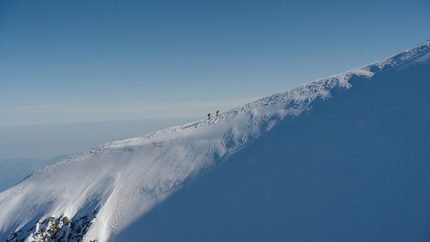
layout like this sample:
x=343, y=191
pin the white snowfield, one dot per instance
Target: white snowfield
x=108, y=187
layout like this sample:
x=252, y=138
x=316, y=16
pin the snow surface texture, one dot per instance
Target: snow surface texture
x=300, y=165
x=13, y=171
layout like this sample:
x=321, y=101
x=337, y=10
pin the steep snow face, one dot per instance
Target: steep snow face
x=98, y=193
x=353, y=168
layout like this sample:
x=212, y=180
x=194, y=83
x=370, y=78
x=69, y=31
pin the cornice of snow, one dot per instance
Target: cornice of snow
x=121, y=180
x=418, y=53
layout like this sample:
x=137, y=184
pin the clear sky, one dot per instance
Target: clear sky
x=85, y=62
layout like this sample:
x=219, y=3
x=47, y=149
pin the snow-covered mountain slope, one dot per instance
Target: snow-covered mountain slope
x=13, y=171
x=304, y=164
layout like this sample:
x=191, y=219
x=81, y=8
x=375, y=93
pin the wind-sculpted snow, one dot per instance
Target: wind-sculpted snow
x=116, y=183
x=416, y=54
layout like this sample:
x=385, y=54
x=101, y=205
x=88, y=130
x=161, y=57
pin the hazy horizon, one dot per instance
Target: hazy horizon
x=79, y=64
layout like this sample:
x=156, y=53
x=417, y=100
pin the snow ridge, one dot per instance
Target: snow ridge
x=418, y=53
x=115, y=183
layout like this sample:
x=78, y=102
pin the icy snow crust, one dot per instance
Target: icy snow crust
x=118, y=182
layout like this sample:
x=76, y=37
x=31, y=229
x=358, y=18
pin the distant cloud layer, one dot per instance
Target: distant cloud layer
x=15, y=115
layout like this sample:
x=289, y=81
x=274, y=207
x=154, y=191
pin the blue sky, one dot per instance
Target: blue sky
x=86, y=62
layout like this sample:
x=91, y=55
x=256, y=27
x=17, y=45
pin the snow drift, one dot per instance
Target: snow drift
x=343, y=158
